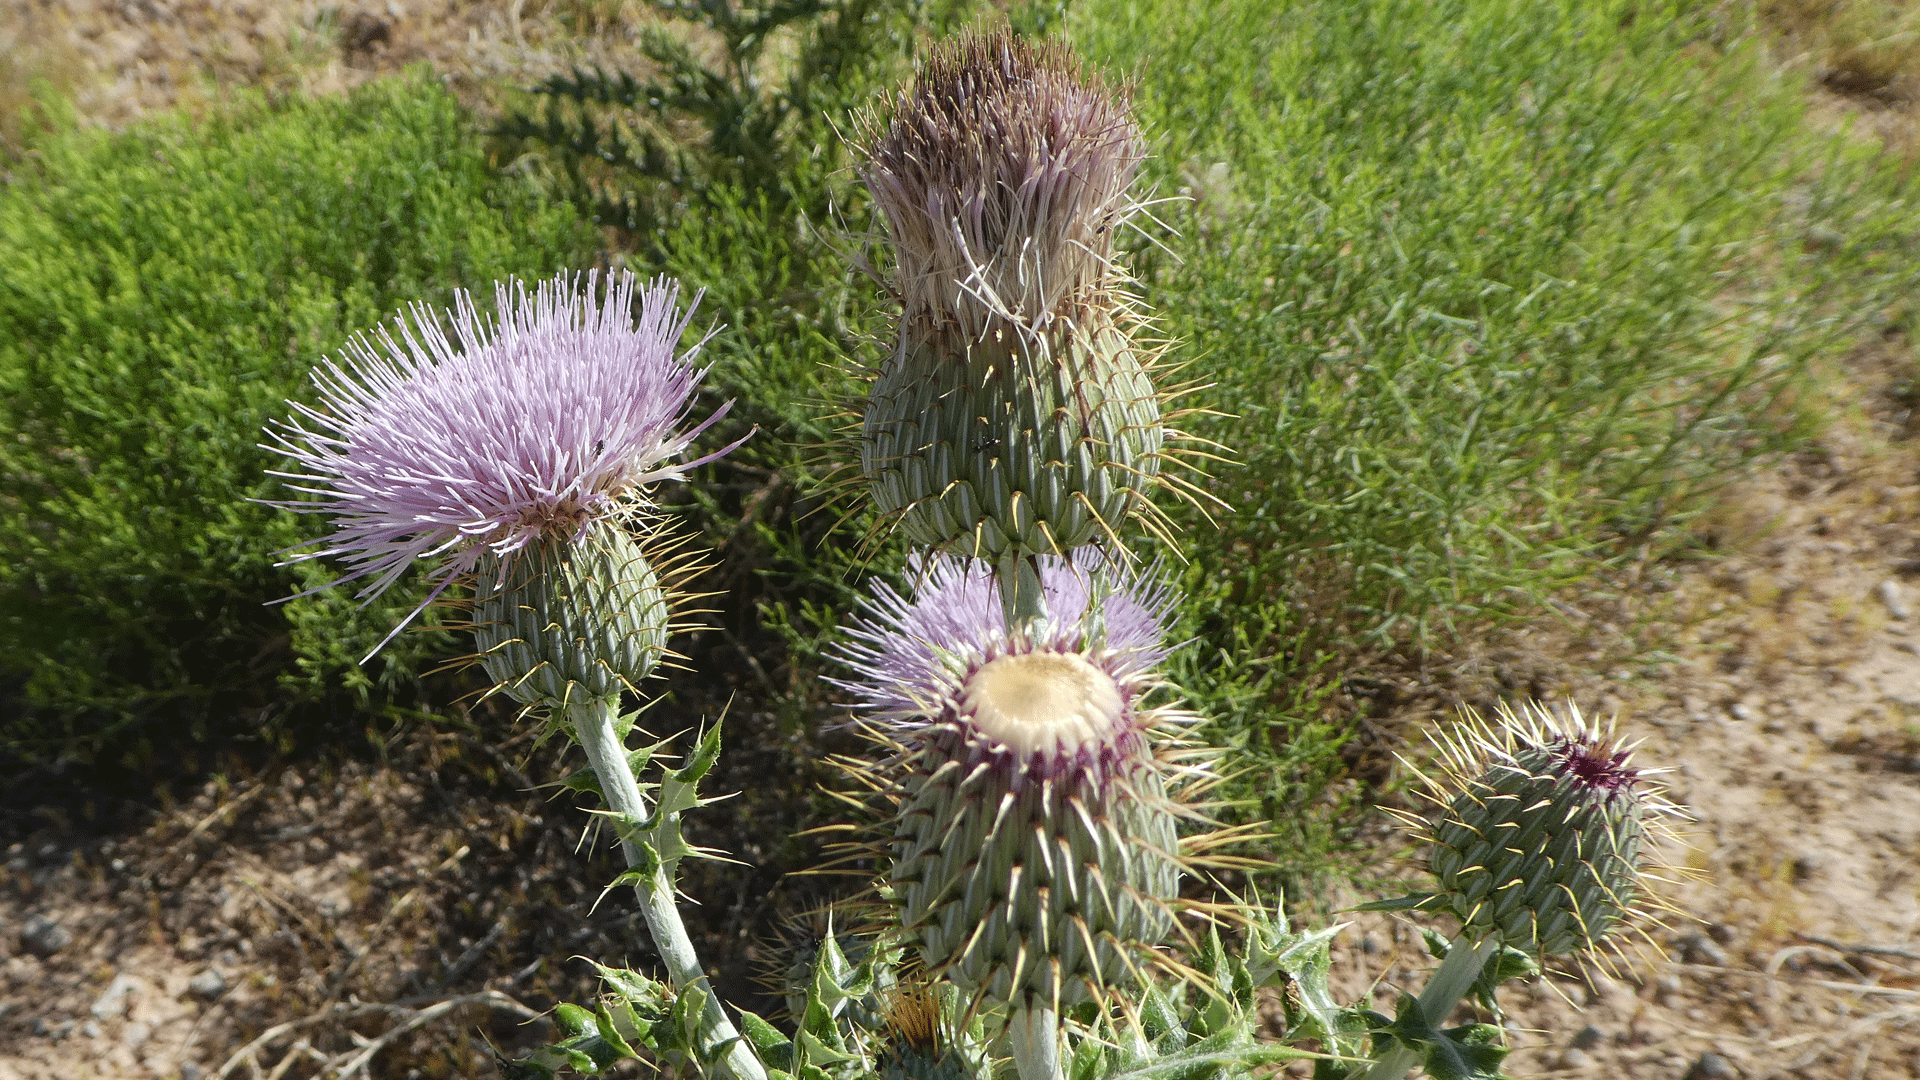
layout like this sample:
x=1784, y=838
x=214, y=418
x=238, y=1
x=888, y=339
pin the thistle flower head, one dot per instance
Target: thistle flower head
x=915, y=1043
x=1033, y=837
x=1003, y=174
x=484, y=441
x=1058, y=697
x=1544, y=838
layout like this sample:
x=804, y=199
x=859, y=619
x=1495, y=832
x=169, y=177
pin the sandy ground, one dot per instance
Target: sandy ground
x=293, y=907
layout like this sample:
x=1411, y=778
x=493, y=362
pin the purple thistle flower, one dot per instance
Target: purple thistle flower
x=915, y=656
x=541, y=423
x=1033, y=837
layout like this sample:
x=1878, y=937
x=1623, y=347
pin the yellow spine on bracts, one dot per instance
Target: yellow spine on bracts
x=1545, y=836
x=567, y=620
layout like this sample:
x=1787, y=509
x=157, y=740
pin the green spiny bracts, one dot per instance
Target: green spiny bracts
x=1032, y=797
x=1010, y=445
x=1026, y=882
x=569, y=620
x=1546, y=832
x=1018, y=413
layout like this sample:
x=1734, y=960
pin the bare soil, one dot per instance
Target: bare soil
x=312, y=909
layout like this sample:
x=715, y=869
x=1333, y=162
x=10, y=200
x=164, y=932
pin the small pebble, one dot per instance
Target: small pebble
x=1742, y=712
x=189, y=1071
x=1575, y=1058
x=135, y=1034
x=43, y=937
x=1806, y=867
x=1588, y=1038
x=1894, y=597
x=112, y=1001
x=1712, y=1066
x=91, y=1029
x=207, y=985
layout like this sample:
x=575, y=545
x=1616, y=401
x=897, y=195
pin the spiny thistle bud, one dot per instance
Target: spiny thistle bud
x=1545, y=836
x=1017, y=414
x=1033, y=831
x=790, y=961
x=513, y=448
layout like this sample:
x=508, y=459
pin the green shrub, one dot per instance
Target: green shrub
x=161, y=292
x=1489, y=291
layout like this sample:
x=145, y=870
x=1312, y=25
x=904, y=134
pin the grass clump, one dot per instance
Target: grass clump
x=1489, y=291
x=162, y=291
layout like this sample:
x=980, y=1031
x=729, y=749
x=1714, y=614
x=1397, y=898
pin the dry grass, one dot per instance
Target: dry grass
x=1862, y=48
x=39, y=65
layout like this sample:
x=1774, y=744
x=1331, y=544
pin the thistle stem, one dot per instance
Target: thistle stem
x=1465, y=960
x=1034, y=1033
x=595, y=725
x=1021, y=596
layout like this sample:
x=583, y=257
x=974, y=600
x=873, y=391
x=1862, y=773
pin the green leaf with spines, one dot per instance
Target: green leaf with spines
x=772, y=1047
x=1468, y=1052
x=705, y=753
x=1160, y=1018
x=573, y=1019
x=1505, y=963
x=610, y=1031
x=1273, y=951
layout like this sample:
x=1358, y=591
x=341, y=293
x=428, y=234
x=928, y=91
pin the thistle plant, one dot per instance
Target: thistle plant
x=1034, y=779
x=515, y=454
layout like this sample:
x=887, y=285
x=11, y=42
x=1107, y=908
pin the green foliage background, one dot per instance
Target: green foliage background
x=162, y=292
x=1487, y=295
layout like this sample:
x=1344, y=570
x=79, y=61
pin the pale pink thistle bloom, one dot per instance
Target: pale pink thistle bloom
x=555, y=415
x=916, y=656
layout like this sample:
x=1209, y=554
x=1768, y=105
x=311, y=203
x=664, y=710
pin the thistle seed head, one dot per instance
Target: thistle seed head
x=1018, y=414
x=1544, y=840
x=1033, y=834
x=1003, y=174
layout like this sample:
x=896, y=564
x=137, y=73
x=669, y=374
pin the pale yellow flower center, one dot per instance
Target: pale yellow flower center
x=1043, y=702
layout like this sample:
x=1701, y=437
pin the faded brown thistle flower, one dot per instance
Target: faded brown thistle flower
x=1003, y=176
